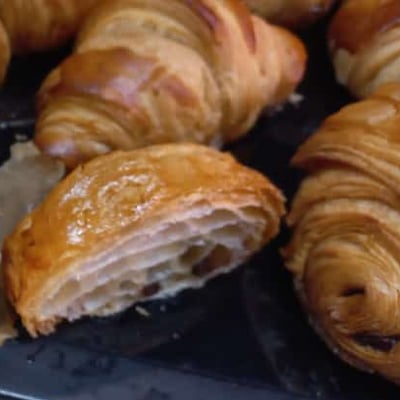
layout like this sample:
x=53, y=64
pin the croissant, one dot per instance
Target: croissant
x=37, y=25
x=131, y=226
x=5, y=53
x=364, y=39
x=345, y=249
x=291, y=13
x=151, y=72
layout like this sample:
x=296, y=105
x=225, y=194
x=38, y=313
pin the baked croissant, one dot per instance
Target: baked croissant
x=37, y=25
x=364, y=38
x=131, y=226
x=345, y=250
x=155, y=71
x=292, y=13
x=5, y=52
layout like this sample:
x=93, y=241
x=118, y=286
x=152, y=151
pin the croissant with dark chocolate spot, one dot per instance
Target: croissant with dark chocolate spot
x=156, y=71
x=345, y=250
x=131, y=226
x=364, y=39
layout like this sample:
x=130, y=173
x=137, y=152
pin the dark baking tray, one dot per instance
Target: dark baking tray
x=241, y=337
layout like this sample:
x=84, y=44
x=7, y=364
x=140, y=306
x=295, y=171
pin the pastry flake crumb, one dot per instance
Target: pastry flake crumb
x=142, y=311
x=21, y=137
x=295, y=99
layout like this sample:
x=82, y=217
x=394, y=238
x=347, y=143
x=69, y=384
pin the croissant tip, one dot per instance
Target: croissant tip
x=294, y=62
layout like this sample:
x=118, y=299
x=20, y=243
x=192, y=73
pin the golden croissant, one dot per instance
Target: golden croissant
x=151, y=72
x=364, y=38
x=5, y=52
x=131, y=226
x=37, y=25
x=292, y=13
x=345, y=250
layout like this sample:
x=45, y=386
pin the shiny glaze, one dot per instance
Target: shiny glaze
x=112, y=197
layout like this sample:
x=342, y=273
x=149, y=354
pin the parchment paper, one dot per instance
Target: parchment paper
x=25, y=179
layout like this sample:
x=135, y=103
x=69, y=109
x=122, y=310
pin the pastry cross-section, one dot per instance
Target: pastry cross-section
x=132, y=226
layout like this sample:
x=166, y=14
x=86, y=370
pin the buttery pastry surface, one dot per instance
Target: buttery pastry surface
x=345, y=249
x=130, y=226
x=364, y=38
x=54, y=22
x=292, y=13
x=155, y=71
x=5, y=52
x=37, y=25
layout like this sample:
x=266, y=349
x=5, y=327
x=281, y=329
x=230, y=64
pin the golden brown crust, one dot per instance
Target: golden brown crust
x=90, y=74
x=5, y=53
x=358, y=21
x=55, y=21
x=291, y=13
x=363, y=38
x=214, y=21
x=198, y=71
x=124, y=194
x=345, y=250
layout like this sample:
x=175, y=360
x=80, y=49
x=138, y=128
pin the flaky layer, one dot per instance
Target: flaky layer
x=165, y=71
x=133, y=226
x=345, y=249
x=292, y=13
x=55, y=21
x=37, y=25
x=364, y=41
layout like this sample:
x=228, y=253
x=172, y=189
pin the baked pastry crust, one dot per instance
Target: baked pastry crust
x=364, y=39
x=37, y=25
x=5, y=52
x=55, y=21
x=291, y=13
x=345, y=249
x=155, y=71
x=131, y=226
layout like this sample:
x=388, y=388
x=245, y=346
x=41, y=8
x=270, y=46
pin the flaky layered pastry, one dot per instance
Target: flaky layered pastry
x=345, y=250
x=155, y=71
x=37, y=25
x=131, y=226
x=292, y=13
x=365, y=43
